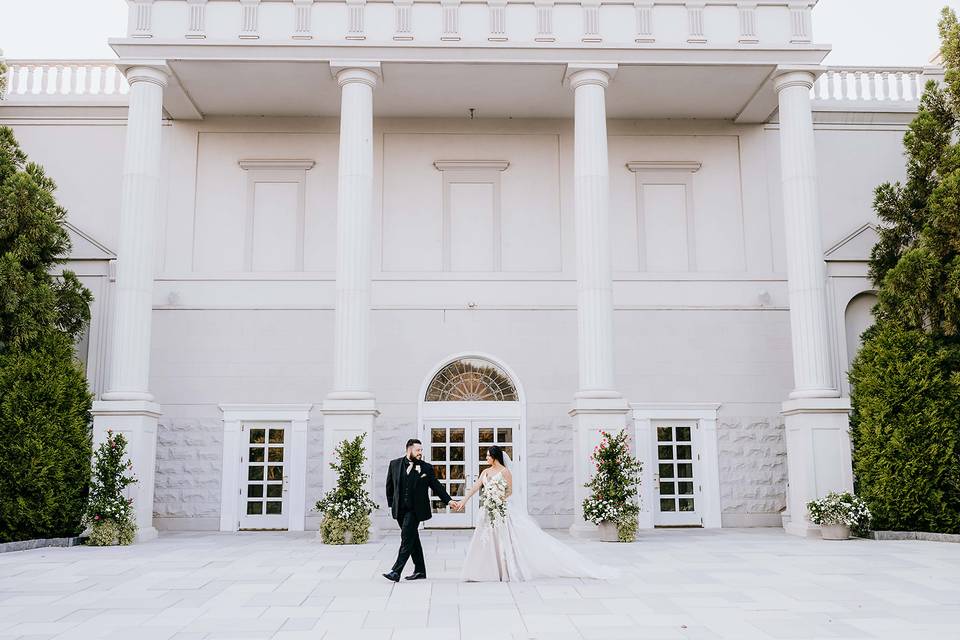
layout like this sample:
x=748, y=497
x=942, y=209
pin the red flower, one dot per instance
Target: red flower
x=96, y=517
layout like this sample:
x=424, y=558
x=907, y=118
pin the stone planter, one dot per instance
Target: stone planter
x=834, y=532
x=608, y=531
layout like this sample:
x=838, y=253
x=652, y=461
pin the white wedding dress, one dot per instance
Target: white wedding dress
x=517, y=549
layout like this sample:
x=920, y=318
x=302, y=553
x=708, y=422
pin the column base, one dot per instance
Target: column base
x=137, y=421
x=818, y=455
x=345, y=418
x=591, y=414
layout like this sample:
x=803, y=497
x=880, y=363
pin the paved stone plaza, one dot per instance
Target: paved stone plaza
x=730, y=583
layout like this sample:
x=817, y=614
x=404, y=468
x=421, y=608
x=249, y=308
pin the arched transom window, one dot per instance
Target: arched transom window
x=471, y=379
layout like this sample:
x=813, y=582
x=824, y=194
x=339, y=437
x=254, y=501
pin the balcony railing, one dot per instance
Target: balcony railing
x=871, y=84
x=61, y=80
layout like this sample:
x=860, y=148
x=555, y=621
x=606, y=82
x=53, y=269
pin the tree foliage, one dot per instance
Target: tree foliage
x=906, y=378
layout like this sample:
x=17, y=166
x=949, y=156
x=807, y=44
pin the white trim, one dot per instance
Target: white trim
x=297, y=415
x=707, y=469
x=480, y=410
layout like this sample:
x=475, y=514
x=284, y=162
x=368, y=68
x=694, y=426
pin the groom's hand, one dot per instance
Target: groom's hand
x=457, y=505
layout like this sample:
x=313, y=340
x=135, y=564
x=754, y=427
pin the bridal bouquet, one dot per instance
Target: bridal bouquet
x=493, y=499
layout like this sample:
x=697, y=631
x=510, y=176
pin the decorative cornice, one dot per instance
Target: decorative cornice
x=664, y=165
x=277, y=164
x=446, y=165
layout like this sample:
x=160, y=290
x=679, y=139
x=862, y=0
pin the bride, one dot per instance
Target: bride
x=508, y=545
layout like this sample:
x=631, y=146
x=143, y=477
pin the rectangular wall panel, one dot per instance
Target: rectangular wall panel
x=664, y=232
x=472, y=234
x=276, y=228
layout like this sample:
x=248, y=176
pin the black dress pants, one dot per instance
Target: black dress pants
x=409, y=543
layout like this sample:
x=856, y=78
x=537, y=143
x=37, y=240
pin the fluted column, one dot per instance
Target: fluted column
x=591, y=184
x=139, y=202
x=354, y=202
x=816, y=419
x=597, y=406
x=127, y=407
x=806, y=270
x=350, y=409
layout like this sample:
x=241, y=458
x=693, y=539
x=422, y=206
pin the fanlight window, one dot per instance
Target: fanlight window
x=471, y=379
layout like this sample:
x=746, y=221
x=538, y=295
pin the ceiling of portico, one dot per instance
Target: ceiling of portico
x=416, y=89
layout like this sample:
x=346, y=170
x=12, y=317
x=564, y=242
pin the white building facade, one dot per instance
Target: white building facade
x=471, y=222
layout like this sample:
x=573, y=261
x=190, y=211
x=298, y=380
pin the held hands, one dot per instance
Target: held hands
x=457, y=505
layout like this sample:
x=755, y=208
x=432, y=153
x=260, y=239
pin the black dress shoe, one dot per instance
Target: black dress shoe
x=393, y=575
x=419, y=575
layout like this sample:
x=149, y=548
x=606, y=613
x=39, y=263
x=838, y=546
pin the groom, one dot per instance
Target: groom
x=407, y=481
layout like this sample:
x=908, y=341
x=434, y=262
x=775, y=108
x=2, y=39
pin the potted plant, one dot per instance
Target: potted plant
x=109, y=514
x=612, y=504
x=838, y=513
x=347, y=507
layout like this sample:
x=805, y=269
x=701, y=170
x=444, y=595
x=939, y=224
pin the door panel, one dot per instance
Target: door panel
x=675, y=475
x=263, y=476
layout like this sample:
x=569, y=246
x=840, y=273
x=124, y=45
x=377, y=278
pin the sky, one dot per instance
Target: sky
x=862, y=32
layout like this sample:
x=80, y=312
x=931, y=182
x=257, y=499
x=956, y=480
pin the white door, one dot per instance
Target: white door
x=678, y=493
x=457, y=449
x=264, y=482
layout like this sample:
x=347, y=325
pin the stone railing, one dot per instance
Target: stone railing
x=452, y=23
x=62, y=80
x=873, y=84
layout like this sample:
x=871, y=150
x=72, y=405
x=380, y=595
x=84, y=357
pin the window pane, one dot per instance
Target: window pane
x=508, y=451
x=505, y=435
x=437, y=506
x=438, y=454
x=256, y=454
x=276, y=436
x=254, y=508
x=485, y=434
x=665, y=452
x=275, y=472
x=275, y=454
x=257, y=436
x=664, y=434
x=456, y=435
x=254, y=490
x=482, y=451
x=456, y=454
x=456, y=472
x=686, y=504
x=255, y=473
x=274, y=490
x=456, y=489
x=667, y=488
x=684, y=452
x=683, y=434
x=685, y=470
x=666, y=470
x=274, y=507
x=686, y=488
x=438, y=435
x=667, y=504
x=440, y=471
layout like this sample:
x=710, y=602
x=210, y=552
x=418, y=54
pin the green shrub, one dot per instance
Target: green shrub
x=45, y=442
x=109, y=513
x=347, y=507
x=906, y=429
x=614, y=486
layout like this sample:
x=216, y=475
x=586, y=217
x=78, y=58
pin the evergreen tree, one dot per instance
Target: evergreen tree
x=906, y=378
x=45, y=442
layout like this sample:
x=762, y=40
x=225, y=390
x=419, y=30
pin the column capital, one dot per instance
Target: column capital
x=581, y=74
x=155, y=72
x=346, y=72
x=786, y=77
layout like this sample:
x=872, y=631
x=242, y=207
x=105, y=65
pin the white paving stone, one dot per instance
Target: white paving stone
x=693, y=584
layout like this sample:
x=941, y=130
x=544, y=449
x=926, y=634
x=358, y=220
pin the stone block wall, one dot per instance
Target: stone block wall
x=188, y=470
x=753, y=464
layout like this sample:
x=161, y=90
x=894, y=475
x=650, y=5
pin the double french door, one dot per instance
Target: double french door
x=264, y=479
x=457, y=449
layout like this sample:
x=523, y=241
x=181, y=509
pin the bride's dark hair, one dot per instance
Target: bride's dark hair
x=496, y=453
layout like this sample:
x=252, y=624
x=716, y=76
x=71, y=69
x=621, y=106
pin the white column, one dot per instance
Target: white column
x=806, y=270
x=816, y=418
x=127, y=407
x=350, y=408
x=597, y=404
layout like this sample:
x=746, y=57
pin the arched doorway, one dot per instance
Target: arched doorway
x=467, y=403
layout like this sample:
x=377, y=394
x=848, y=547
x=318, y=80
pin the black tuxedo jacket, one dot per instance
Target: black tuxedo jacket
x=425, y=479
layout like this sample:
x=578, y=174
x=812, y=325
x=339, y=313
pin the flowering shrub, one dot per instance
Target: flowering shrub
x=493, y=500
x=614, y=485
x=840, y=508
x=110, y=514
x=347, y=507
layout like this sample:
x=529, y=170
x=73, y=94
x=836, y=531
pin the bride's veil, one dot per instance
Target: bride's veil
x=518, y=496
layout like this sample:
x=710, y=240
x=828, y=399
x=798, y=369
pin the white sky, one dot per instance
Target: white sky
x=862, y=32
